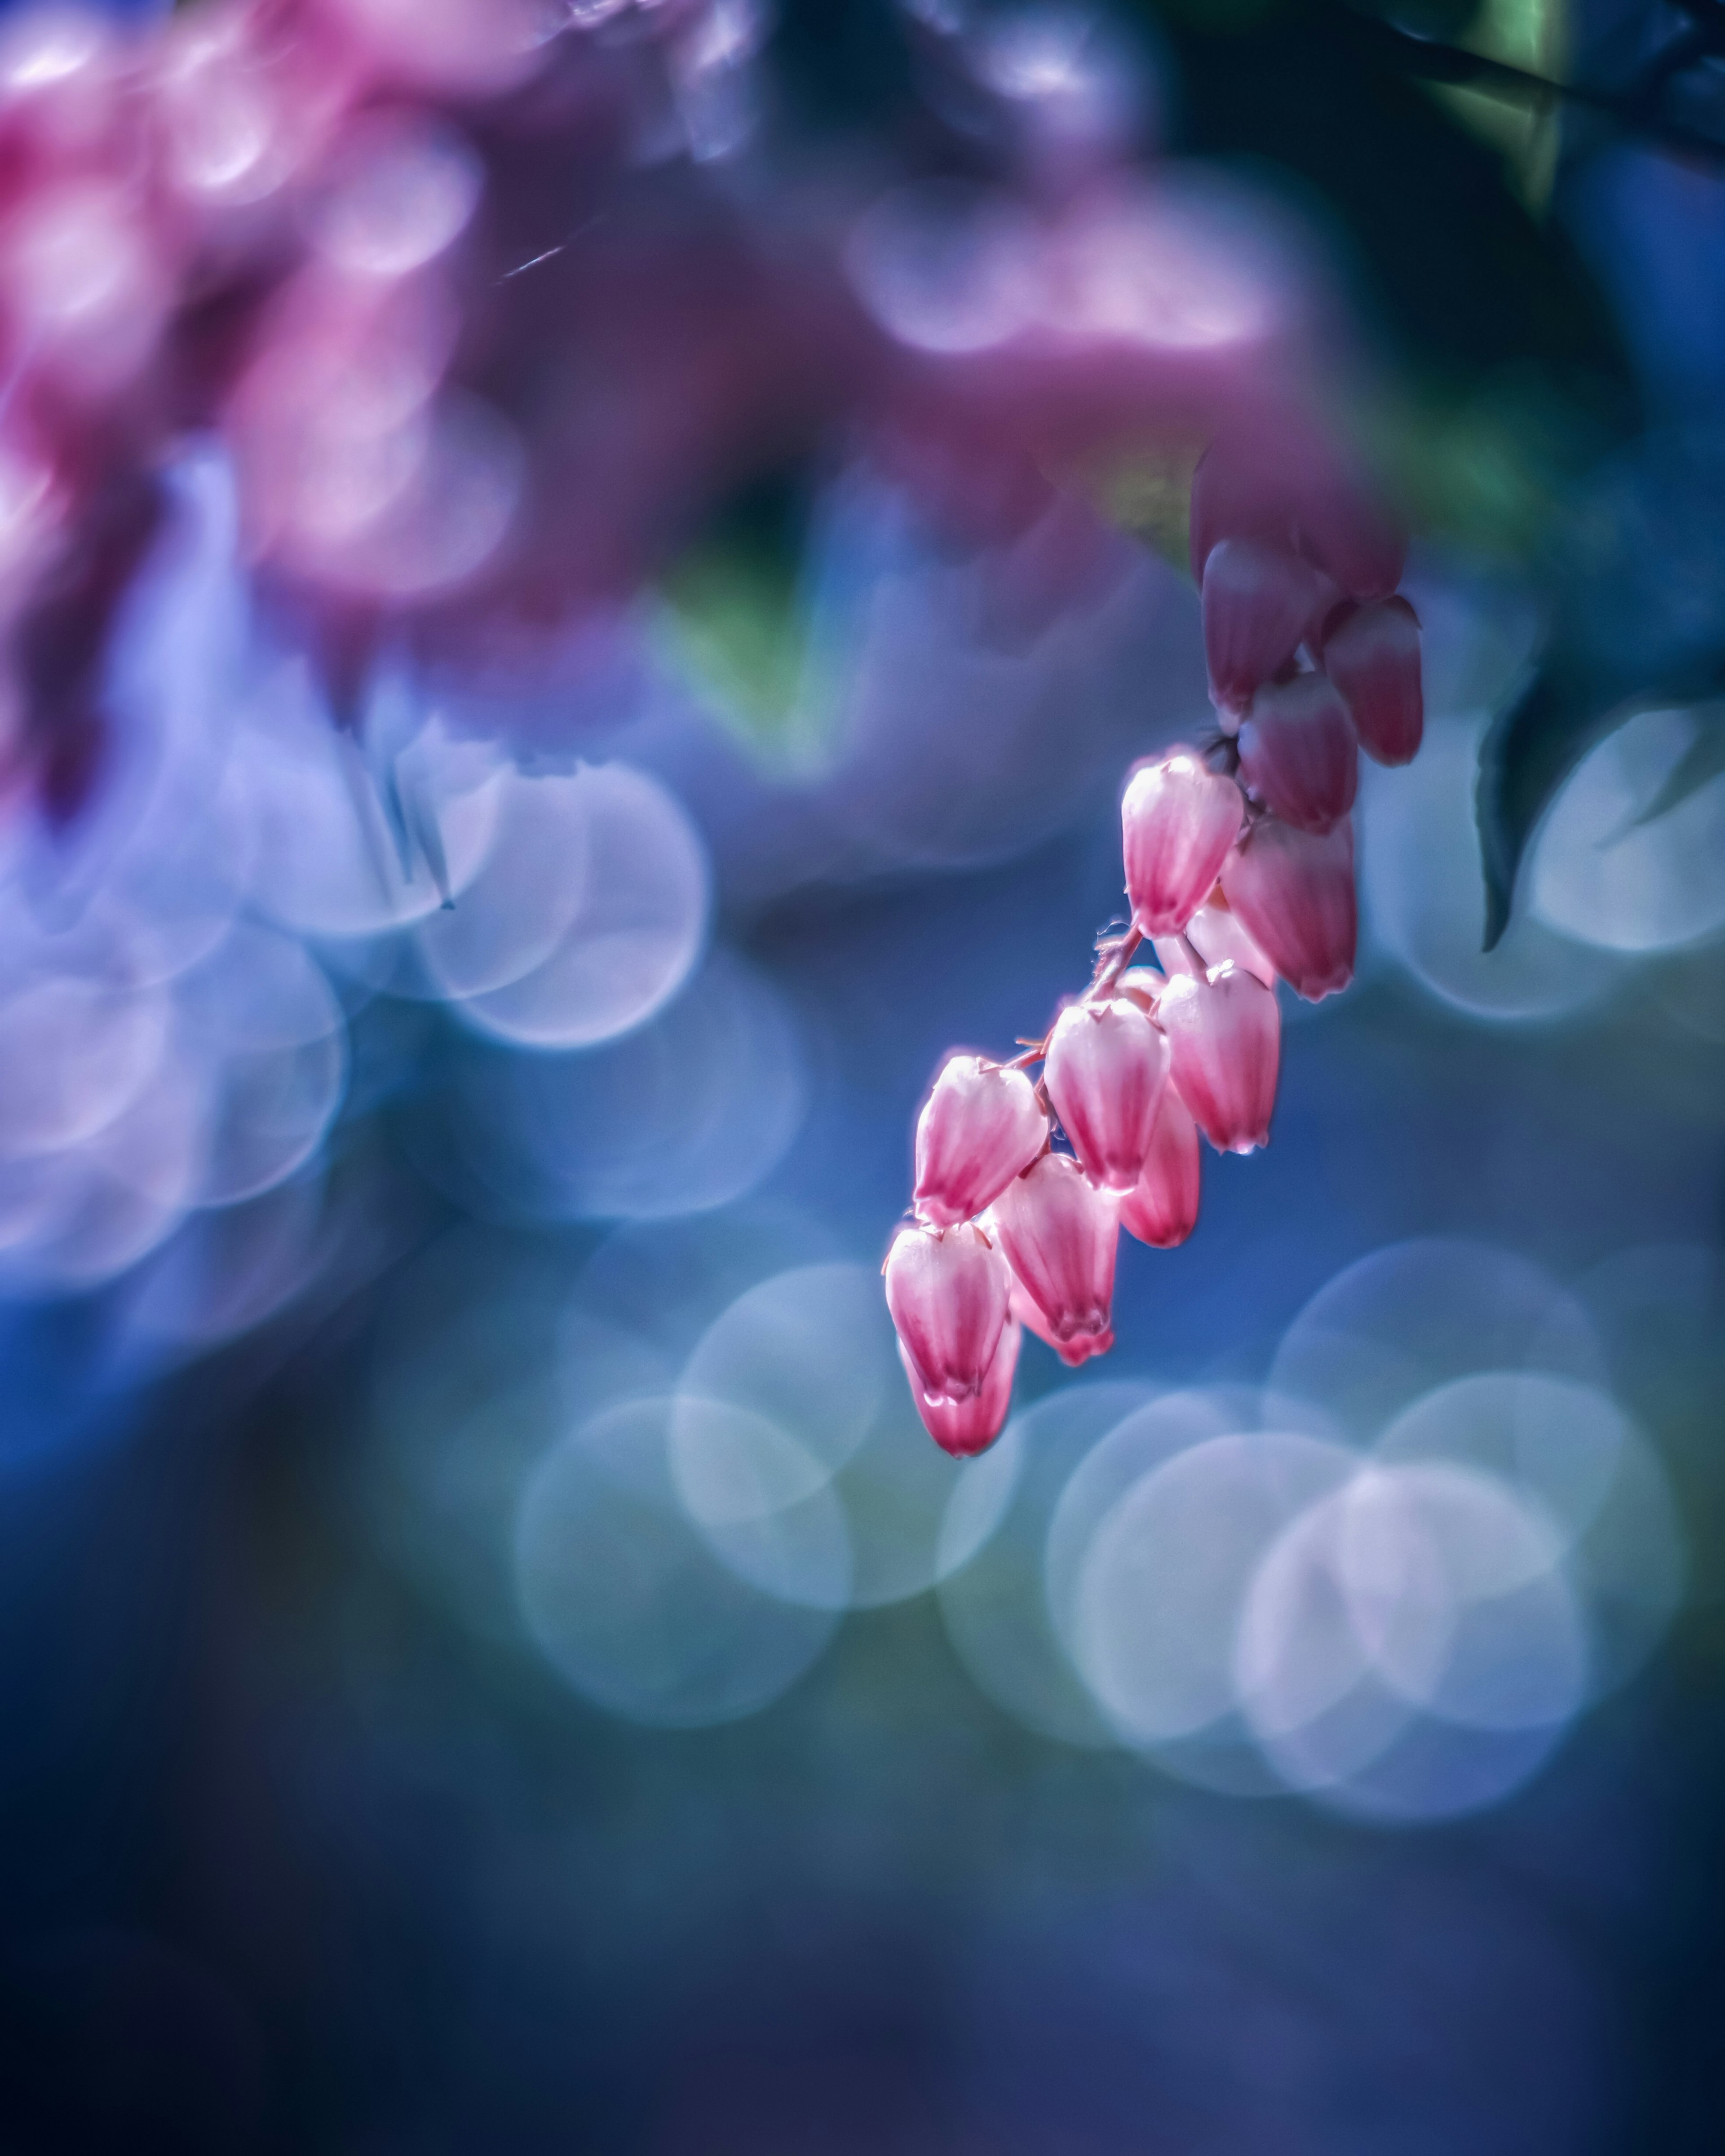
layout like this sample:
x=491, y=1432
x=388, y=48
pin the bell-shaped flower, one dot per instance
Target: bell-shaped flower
x=1294, y=894
x=1074, y=1352
x=1373, y=656
x=1105, y=1068
x=979, y=1127
x=1261, y=604
x=1298, y=753
x=946, y=1289
x=1163, y=1211
x=1179, y=819
x=1059, y=1234
x=965, y=1428
x=1219, y=935
x=1225, y=1043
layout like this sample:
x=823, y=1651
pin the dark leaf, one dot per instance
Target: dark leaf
x=1700, y=763
x=1534, y=743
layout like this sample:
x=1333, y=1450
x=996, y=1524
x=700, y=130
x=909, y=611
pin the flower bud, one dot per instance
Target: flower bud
x=1260, y=603
x=946, y=1289
x=1294, y=896
x=1163, y=1211
x=1224, y=1041
x=979, y=1127
x=1177, y=820
x=1105, y=1070
x=1373, y=656
x=1059, y=1234
x=1219, y=936
x=1298, y=753
x=964, y=1428
x=1074, y=1352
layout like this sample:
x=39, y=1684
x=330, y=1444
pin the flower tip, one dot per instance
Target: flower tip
x=1086, y=1347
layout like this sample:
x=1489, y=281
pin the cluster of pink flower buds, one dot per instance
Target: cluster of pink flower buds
x=1239, y=857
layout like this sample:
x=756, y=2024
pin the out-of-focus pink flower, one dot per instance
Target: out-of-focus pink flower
x=1294, y=894
x=979, y=1127
x=1179, y=819
x=394, y=197
x=1163, y=1211
x=1074, y=1352
x=1225, y=1043
x=62, y=88
x=241, y=103
x=1036, y=339
x=1261, y=604
x=1218, y=933
x=456, y=49
x=88, y=285
x=1298, y=753
x=1105, y=1068
x=1373, y=656
x=1281, y=479
x=965, y=1428
x=1059, y=1234
x=946, y=1289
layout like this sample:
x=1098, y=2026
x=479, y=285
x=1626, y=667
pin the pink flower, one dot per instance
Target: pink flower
x=1217, y=934
x=1142, y=985
x=946, y=1289
x=1298, y=753
x=1179, y=819
x=979, y=1127
x=1373, y=656
x=1163, y=1211
x=1280, y=479
x=1074, y=1352
x=965, y=1428
x=1294, y=894
x=1105, y=1067
x=1260, y=603
x=1059, y=1234
x=1224, y=1040
x=1176, y=955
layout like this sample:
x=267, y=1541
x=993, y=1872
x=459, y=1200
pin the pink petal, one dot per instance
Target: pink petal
x=1298, y=753
x=1074, y=1352
x=1374, y=658
x=1163, y=1211
x=1105, y=1068
x=1224, y=1044
x=1294, y=894
x=1261, y=604
x=1177, y=820
x=1058, y=1234
x=979, y=1127
x=946, y=1289
x=1220, y=937
x=965, y=1428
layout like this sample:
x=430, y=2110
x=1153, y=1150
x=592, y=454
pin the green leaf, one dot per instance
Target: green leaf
x=736, y=614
